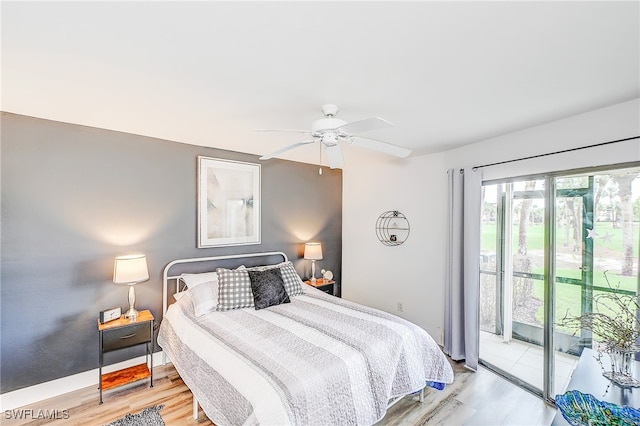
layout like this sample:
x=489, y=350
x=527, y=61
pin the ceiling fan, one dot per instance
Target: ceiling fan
x=331, y=130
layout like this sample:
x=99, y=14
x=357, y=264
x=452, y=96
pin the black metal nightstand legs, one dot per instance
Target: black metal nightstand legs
x=120, y=334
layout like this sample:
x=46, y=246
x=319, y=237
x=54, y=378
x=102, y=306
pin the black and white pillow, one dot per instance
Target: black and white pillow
x=268, y=288
x=234, y=289
x=291, y=279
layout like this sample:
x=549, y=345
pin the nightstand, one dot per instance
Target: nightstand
x=328, y=286
x=123, y=333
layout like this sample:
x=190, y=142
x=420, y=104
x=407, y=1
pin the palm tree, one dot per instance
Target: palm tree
x=624, y=182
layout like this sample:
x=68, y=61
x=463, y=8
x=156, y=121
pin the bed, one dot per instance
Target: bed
x=313, y=360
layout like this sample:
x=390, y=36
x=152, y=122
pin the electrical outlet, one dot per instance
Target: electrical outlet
x=400, y=307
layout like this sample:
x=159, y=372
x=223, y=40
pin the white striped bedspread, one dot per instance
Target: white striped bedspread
x=318, y=360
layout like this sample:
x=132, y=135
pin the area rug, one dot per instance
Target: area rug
x=438, y=405
x=147, y=417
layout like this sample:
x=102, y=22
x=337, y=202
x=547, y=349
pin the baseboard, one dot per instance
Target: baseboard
x=40, y=392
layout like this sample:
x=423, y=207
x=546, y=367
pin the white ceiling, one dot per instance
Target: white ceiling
x=209, y=73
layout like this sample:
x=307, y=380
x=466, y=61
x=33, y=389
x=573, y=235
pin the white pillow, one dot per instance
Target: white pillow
x=194, y=280
x=178, y=296
x=204, y=298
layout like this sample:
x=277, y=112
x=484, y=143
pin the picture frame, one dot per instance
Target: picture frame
x=228, y=202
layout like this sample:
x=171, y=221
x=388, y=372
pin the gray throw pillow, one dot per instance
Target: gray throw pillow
x=268, y=288
x=292, y=282
x=234, y=289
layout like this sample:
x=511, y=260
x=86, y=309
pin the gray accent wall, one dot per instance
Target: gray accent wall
x=75, y=197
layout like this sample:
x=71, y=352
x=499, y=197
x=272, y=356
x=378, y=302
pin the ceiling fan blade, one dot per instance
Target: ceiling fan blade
x=308, y=132
x=365, y=125
x=285, y=149
x=334, y=156
x=377, y=145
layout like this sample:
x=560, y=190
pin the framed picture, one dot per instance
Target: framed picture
x=228, y=203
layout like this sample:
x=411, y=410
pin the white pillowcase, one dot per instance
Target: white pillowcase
x=203, y=289
x=194, y=280
x=204, y=298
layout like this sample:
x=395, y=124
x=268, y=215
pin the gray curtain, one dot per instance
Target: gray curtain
x=462, y=296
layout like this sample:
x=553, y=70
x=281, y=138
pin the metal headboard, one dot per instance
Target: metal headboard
x=166, y=277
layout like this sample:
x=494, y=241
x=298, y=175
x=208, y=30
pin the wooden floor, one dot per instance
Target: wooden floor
x=480, y=398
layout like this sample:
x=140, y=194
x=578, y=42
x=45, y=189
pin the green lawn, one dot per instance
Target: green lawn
x=568, y=296
x=607, y=237
x=607, y=247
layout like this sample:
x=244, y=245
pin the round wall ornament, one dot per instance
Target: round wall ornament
x=392, y=228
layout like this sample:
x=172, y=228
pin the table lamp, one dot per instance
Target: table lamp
x=313, y=252
x=131, y=269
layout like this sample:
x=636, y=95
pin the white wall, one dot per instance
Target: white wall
x=413, y=273
x=379, y=275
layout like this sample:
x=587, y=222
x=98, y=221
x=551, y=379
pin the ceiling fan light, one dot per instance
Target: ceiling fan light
x=331, y=130
x=329, y=139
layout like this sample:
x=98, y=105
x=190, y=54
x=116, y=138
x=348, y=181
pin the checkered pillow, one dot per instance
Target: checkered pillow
x=291, y=279
x=234, y=289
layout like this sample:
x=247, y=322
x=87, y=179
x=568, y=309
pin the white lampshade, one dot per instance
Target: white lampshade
x=313, y=251
x=130, y=269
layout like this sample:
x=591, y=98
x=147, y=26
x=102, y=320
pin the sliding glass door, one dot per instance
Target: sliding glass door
x=546, y=245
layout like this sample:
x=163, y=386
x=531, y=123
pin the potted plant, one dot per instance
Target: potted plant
x=615, y=325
